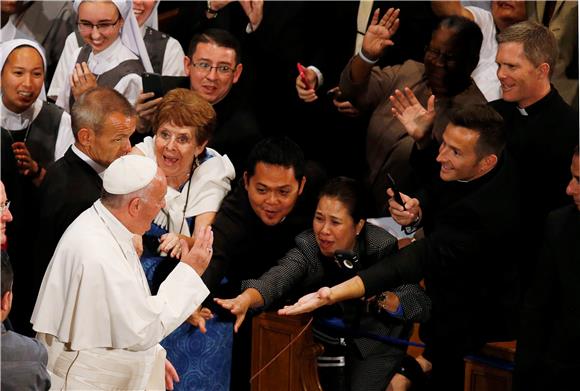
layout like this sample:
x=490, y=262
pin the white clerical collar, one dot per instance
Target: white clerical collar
x=15, y=121
x=522, y=111
x=107, y=56
x=85, y=158
x=143, y=29
x=118, y=230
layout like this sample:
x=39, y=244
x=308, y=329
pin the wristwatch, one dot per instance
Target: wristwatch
x=210, y=13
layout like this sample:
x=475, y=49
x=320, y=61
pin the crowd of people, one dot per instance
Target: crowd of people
x=164, y=182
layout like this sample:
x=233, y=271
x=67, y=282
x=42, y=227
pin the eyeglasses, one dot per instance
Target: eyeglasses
x=182, y=139
x=436, y=54
x=86, y=27
x=206, y=67
x=4, y=207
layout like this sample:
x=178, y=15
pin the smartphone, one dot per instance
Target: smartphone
x=336, y=95
x=391, y=183
x=302, y=72
x=152, y=83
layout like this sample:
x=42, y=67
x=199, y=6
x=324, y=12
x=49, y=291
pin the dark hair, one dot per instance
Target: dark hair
x=7, y=274
x=467, y=40
x=221, y=38
x=279, y=151
x=487, y=122
x=576, y=150
x=94, y=106
x=349, y=192
x=540, y=45
x=184, y=107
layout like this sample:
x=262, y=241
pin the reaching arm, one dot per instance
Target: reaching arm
x=239, y=306
x=349, y=289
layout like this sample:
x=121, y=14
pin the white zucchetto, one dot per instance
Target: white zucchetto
x=129, y=173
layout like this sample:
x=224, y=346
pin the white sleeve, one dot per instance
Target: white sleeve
x=65, y=137
x=484, y=19
x=62, y=71
x=173, y=59
x=485, y=74
x=68, y=66
x=130, y=86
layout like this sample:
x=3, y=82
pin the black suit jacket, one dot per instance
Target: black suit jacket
x=549, y=338
x=69, y=187
x=466, y=258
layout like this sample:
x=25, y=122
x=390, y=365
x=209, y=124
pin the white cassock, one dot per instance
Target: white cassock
x=96, y=315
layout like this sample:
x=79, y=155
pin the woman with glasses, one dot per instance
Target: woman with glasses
x=114, y=54
x=165, y=53
x=198, y=178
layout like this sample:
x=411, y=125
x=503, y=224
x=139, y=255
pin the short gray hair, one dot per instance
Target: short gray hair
x=93, y=107
x=540, y=45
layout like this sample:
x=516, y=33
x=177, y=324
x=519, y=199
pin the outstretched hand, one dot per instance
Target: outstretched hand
x=379, y=33
x=411, y=114
x=308, y=303
x=238, y=306
x=198, y=318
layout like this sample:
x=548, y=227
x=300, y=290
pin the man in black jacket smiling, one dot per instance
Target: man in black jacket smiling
x=469, y=213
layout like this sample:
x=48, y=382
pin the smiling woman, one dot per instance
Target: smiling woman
x=197, y=177
x=112, y=37
x=37, y=133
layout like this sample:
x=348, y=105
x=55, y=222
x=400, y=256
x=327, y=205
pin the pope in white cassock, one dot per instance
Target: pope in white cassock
x=94, y=312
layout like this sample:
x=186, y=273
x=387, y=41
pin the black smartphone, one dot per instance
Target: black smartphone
x=336, y=94
x=152, y=82
x=391, y=183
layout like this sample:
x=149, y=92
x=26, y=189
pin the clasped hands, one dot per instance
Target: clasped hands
x=26, y=165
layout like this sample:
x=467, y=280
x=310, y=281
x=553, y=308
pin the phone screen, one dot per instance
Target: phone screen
x=152, y=83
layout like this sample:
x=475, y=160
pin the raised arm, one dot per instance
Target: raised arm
x=376, y=40
x=444, y=9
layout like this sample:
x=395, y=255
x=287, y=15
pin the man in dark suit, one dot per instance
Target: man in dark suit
x=469, y=212
x=531, y=105
x=549, y=341
x=24, y=359
x=102, y=122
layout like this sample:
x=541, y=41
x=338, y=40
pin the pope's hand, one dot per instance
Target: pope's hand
x=201, y=251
